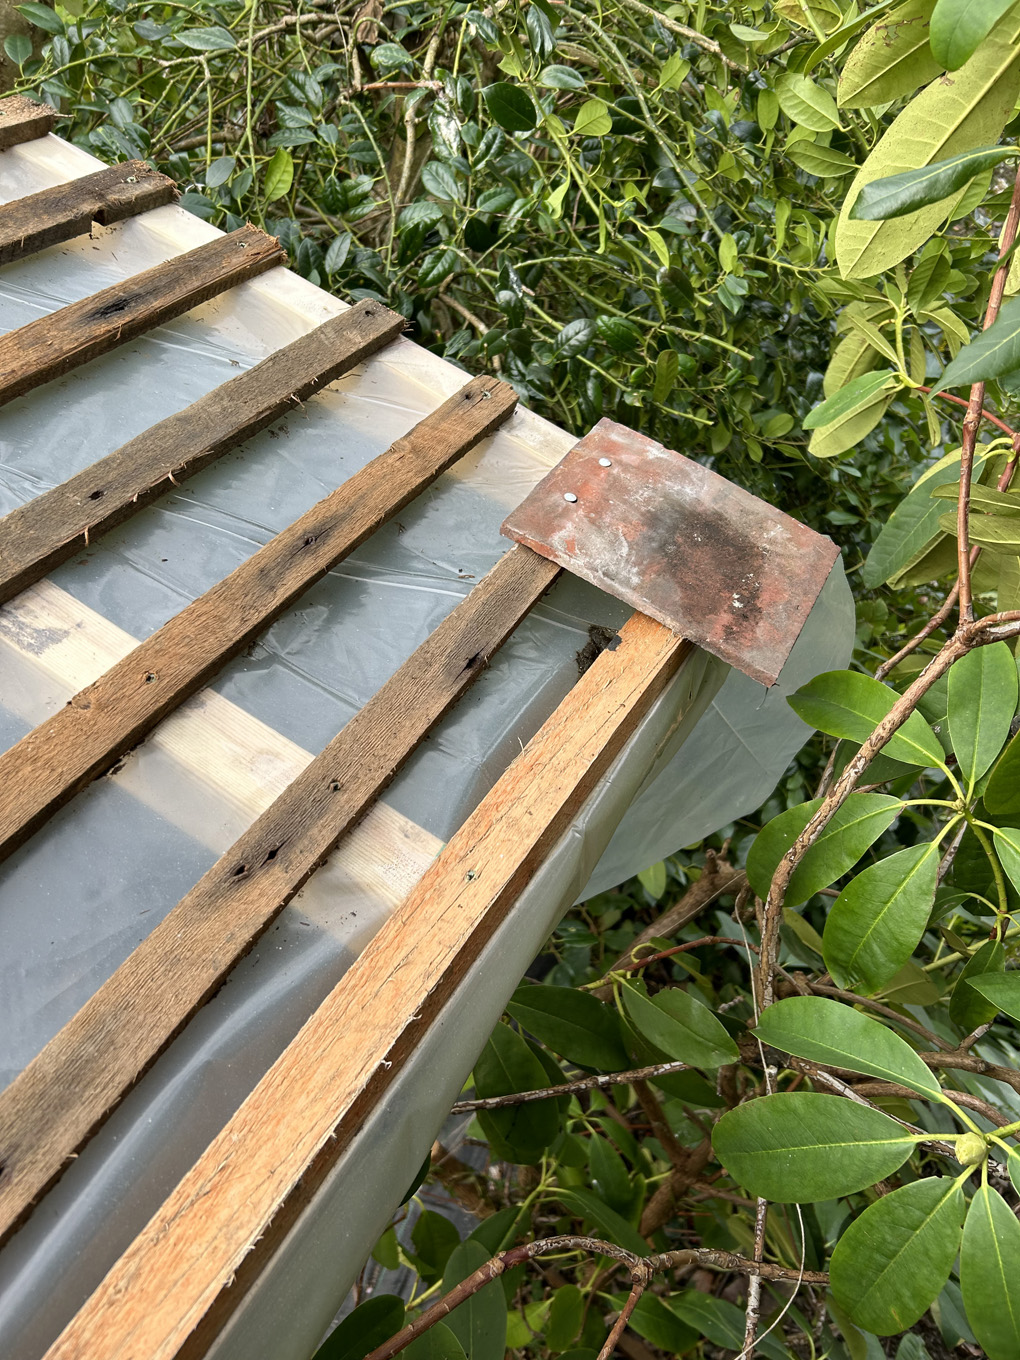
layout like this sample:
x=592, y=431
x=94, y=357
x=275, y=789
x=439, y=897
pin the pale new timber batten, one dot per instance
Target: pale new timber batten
x=239, y=812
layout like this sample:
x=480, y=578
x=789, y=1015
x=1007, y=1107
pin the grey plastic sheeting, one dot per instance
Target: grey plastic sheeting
x=82, y=893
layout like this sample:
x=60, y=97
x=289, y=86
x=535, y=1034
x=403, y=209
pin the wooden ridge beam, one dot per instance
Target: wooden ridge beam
x=50, y=764
x=67, y=1091
x=68, y=210
x=23, y=119
x=38, y=536
x=62, y=341
x=174, y=1287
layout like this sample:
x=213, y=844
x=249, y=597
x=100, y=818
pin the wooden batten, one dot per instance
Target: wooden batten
x=49, y=765
x=233, y=1208
x=69, y=210
x=56, y=344
x=23, y=119
x=38, y=536
x=72, y=1085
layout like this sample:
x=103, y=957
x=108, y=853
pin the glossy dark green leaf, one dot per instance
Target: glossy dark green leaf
x=655, y=1321
x=835, y=1035
x=855, y=827
x=982, y=701
x=797, y=1147
x=609, y=1174
x=721, y=1322
x=1002, y=990
x=989, y=1271
x=479, y=1323
x=893, y=1261
x=608, y=1223
x=1002, y=792
x=434, y=1238
x=681, y=1027
x=990, y=354
x=498, y=1232
x=969, y=1008
x=897, y=195
x=438, y=1343
x=857, y=393
x=510, y=106
x=574, y=1024
x=848, y=704
x=361, y=1331
x=878, y=919
x=519, y=1133
x=958, y=27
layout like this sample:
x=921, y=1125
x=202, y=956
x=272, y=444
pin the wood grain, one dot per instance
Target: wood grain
x=49, y=765
x=68, y=210
x=62, y=341
x=38, y=536
x=72, y=1085
x=23, y=119
x=252, y=1181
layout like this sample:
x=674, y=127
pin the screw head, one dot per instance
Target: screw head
x=569, y=496
x=605, y=462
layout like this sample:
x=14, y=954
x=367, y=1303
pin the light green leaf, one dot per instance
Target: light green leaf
x=897, y=195
x=806, y=103
x=878, y=919
x=851, y=398
x=279, y=174
x=654, y=879
x=998, y=535
x=593, y=119
x=852, y=357
x=989, y=1271
x=851, y=705
x=958, y=27
x=895, y=1259
x=982, y=701
x=212, y=39
x=990, y=354
x=479, y=1323
x=824, y=162
x=1002, y=792
x=855, y=827
x=968, y=110
x=797, y=1147
x=1002, y=989
x=574, y=1024
x=1007, y=847
x=892, y=59
x=681, y=1027
x=829, y=441
x=983, y=498
x=827, y=1032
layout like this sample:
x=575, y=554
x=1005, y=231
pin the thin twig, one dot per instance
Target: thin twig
x=637, y=1290
x=571, y=1088
x=682, y=31
x=752, y=1312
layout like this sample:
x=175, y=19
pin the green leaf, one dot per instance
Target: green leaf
x=681, y=1027
x=721, y=1322
x=824, y=162
x=361, y=1331
x=959, y=27
x=797, y=1147
x=574, y=1024
x=806, y=103
x=593, y=119
x=896, y=195
x=857, y=394
x=338, y=252
x=510, y=107
x=826, y=1032
x=583, y=1204
x=434, y=1238
x=519, y=1133
x=279, y=175
x=654, y=879
x=851, y=705
x=561, y=78
x=999, y=534
x=1002, y=990
x=990, y=354
x=479, y=1323
x=982, y=701
x=969, y=1008
x=566, y=1316
x=892, y=59
x=438, y=1343
x=948, y=117
x=18, y=47
x=655, y=1321
x=212, y=39
x=893, y=1261
x=989, y=1271
x=984, y=499
x=42, y=17
x=1002, y=792
x=878, y=919
x=855, y=827
x=1007, y=846
x=609, y=1174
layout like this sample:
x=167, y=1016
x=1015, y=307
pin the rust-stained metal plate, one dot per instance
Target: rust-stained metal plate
x=680, y=543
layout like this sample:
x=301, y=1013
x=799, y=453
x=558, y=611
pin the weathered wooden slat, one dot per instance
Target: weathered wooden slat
x=55, y=344
x=69, y=210
x=77, y=1079
x=231, y=1210
x=23, y=119
x=44, y=532
x=51, y=763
